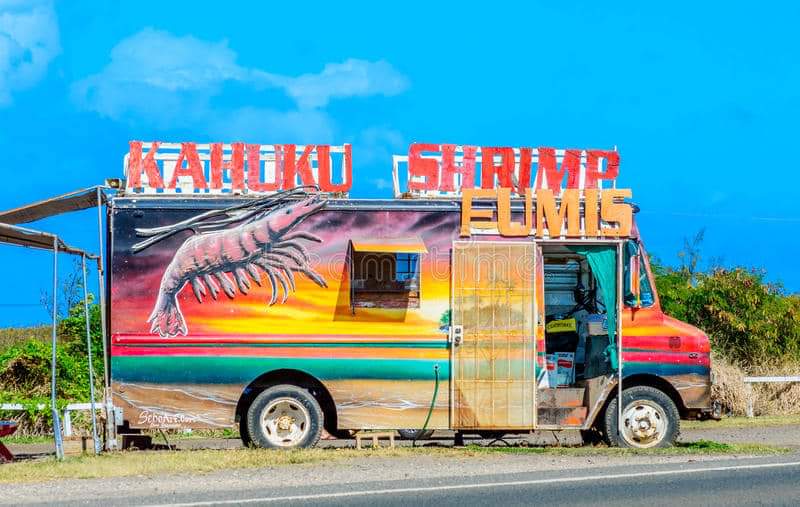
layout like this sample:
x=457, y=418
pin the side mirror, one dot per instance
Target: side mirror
x=634, y=282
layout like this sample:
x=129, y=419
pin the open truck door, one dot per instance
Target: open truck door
x=493, y=340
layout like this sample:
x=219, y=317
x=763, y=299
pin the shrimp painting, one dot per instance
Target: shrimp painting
x=264, y=246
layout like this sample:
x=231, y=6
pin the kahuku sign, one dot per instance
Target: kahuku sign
x=218, y=168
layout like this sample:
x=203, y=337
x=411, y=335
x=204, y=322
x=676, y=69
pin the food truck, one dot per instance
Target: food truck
x=502, y=290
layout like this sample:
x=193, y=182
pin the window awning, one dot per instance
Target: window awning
x=15, y=235
x=73, y=201
x=413, y=244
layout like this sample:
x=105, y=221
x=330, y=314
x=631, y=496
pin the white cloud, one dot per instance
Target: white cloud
x=28, y=43
x=157, y=77
x=352, y=78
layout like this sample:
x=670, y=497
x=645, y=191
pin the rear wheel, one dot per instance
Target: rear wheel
x=649, y=419
x=284, y=417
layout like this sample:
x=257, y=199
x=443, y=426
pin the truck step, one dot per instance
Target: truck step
x=562, y=416
x=560, y=397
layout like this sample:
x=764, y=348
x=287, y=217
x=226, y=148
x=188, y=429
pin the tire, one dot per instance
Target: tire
x=593, y=436
x=491, y=435
x=657, y=413
x=244, y=433
x=410, y=434
x=284, y=417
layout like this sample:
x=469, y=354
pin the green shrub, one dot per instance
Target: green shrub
x=748, y=320
x=25, y=370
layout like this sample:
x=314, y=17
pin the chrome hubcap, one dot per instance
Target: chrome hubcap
x=644, y=423
x=286, y=422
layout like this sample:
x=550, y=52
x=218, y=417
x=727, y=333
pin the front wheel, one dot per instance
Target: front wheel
x=284, y=417
x=649, y=419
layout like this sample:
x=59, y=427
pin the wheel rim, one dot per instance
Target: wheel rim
x=644, y=423
x=286, y=422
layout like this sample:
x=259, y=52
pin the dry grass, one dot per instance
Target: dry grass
x=149, y=463
x=10, y=336
x=744, y=422
x=768, y=399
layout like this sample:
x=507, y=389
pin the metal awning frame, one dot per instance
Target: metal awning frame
x=21, y=236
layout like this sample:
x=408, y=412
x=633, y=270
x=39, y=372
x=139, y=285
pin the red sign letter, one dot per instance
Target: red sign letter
x=254, y=182
x=593, y=172
x=548, y=167
x=524, y=170
x=302, y=167
x=504, y=171
x=450, y=169
x=136, y=164
x=324, y=169
x=235, y=166
x=426, y=168
x=194, y=168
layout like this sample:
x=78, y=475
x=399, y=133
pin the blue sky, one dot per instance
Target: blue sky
x=701, y=100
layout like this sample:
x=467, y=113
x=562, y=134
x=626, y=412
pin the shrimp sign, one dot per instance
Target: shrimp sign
x=238, y=168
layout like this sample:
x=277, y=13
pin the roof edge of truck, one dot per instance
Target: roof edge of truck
x=212, y=202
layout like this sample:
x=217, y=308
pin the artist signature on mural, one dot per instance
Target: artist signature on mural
x=161, y=420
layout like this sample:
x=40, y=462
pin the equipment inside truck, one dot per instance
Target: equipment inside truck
x=576, y=323
x=578, y=348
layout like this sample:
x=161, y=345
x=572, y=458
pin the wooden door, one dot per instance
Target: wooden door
x=493, y=294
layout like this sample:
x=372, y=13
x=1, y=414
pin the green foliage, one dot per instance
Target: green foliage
x=25, y=369
x=747, y=319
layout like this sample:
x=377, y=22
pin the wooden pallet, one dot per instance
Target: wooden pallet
x=375, y=436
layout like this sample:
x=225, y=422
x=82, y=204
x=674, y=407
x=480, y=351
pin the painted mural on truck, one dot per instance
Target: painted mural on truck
x=376, y=360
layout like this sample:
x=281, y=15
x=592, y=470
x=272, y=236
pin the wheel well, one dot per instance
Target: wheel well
x=644, y=379
x=659, y=383
x=291, y=377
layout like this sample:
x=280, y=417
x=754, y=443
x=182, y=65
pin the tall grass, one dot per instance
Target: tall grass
x=10, y=336
x=768, y=399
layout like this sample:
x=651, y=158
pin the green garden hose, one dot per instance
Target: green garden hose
x=433, y=403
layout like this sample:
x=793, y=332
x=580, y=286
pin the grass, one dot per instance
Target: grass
x=28, y=439
x=743, y=422
x=149, y=463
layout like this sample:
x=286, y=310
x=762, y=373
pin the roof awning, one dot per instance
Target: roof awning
x=15, y=235
x=73, y=201
x=413, y=244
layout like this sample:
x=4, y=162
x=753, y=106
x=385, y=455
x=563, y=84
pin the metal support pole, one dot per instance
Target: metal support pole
x=53, y=408
x=111, y=436
x=95, y=440
x=620, y=290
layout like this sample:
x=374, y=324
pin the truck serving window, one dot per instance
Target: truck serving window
x=386, y=274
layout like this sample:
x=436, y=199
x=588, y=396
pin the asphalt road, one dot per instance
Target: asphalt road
x=756, y=481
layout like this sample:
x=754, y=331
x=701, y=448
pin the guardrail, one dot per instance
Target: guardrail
x=72, y=407
x=749, y=381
